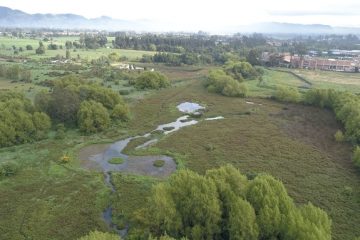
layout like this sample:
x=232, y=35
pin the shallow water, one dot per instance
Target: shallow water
x=179, y=123
x=189, y=107
x=214, y=118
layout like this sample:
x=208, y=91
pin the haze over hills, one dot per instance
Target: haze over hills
x=19, y=19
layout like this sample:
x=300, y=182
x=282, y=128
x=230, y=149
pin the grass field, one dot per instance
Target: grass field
x=271, y=80
x=329, y=79
x=86, y=54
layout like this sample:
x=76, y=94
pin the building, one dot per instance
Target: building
x=316, y=63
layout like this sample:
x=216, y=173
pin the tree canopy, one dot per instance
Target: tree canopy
x=75, y=101
x=19, y=120
x=224, y=204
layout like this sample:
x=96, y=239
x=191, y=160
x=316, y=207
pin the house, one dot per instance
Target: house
x=317, y=63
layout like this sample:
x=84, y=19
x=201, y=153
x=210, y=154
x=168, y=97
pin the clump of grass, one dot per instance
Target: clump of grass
x=116, y=160
x=159, y=163
x=348, y=191
x=209, y=147
x=168, y=128
x=8, y=169
x=339, y=136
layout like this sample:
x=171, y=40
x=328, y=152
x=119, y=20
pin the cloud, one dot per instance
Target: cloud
x=314, y=13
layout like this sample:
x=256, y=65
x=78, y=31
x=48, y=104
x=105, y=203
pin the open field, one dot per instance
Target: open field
x=86, y=54
x=271, y=80
x=329, y=79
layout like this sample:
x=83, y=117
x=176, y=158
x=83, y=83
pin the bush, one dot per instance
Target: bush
x=8, y=169
x=120, y=112
x=60, y=131
x=219, y=82
x=241, y=70
x=151, y=80
x=285, y=94
x=339, y=136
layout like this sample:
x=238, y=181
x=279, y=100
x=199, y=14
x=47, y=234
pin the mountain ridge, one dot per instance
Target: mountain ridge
x=13, y=18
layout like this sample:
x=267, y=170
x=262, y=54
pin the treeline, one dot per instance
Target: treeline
x=228, y=81
x=163, y=42
x=174, y=59
x=224, y=204
x=15, y=73
x=20, y=121
x=190, y=49
x=89, y=106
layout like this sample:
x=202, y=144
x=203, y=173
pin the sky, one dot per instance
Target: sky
x=200, y=14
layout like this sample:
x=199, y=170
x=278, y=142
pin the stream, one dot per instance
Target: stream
x=142, y=165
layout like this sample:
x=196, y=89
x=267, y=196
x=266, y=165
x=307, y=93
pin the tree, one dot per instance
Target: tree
x=42, y=124
x=29, y=47
x=189, y=207
x=19, y=123
x=68, y=45
x=40, y=49
x=253, y=57
x=64, y=104
x=224, y=204
x=93, y=117
x=96, y=235
x=68, y=55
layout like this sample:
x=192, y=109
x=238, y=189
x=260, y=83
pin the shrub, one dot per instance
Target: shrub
x=120, y=112
x=285, y=94
x=339, y=136
x=219, y=82
x=8, y=169
x=151, y=80
x=60, y=131
x=240, y=70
